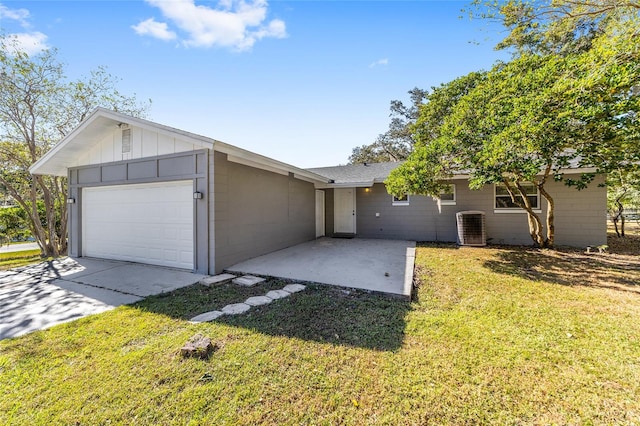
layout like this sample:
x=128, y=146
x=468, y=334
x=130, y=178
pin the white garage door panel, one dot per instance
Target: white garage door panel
x=147, y=223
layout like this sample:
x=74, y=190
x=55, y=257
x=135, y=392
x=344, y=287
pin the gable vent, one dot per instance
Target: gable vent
x=471, y=230
x=126, y=140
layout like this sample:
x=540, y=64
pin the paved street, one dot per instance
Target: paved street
x=18, y=247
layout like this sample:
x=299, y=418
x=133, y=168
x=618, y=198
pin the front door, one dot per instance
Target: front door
x=344, y=210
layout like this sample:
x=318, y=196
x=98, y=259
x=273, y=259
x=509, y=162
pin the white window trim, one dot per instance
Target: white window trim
x=514, y=209
x=449, y=202
x=400, y=203
x=518, y=210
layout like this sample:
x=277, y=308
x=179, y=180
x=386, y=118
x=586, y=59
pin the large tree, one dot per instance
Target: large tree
x=397, y=142
x=39, y=105
x=569, y=96
x=623, y=192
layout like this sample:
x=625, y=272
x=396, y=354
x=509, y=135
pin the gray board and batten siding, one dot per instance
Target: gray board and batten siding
x=191, y=165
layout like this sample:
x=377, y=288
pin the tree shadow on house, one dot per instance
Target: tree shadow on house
x=320, y=313
x=570, y=267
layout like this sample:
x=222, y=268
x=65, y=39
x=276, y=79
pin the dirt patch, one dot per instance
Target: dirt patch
x=617, y=269
x=627, y=245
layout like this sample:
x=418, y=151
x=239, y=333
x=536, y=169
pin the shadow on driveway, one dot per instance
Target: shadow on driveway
x=49, y=293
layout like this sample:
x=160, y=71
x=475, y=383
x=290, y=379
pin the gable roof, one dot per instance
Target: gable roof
x=84, y=137
x=365, y=174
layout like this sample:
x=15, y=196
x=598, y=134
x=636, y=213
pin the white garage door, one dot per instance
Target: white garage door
x=147, y=223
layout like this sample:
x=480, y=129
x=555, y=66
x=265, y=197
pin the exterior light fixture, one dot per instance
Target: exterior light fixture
x=197, y=195
x=71, y=200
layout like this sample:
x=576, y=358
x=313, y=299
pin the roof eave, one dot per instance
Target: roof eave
x=242, y=156
x=44, y=165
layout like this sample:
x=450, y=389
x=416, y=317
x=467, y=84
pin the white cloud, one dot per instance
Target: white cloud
x=379, y=63
x=237, y=24
x=29, y=43
x=20, y=15
x=154, y=29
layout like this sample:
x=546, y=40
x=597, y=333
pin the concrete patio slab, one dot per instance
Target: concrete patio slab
x=377, y=265
x=49, y=293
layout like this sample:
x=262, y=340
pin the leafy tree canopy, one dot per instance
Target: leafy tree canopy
x=39, y=105
x=396, y=143
x=568, y=97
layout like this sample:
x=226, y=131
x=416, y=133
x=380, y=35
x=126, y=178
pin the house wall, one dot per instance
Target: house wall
x=257, y=212
x=580, y=216
x=182, y=166
x=144, y=143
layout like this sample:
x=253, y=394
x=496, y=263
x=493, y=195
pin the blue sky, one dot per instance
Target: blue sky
x=300, y=81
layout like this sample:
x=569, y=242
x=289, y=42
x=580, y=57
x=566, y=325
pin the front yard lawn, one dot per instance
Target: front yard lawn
x=494, y=336
x=19, y=258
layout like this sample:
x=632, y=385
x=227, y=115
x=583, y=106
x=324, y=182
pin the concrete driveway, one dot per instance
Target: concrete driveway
x=39, y=296
x=378, y=265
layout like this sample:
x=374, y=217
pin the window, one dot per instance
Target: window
x=403, y=200
x=503, y=199
x=448, y=196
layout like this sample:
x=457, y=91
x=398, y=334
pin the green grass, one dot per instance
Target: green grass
x=19, y=258
x=494, y=336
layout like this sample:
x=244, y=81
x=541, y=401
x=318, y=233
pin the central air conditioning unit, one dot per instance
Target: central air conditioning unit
x=471, y=229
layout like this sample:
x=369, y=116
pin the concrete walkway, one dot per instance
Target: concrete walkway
x=378, y=265
x=49, y=293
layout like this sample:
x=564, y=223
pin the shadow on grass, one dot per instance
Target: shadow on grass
x=320, y=313
x=569, y=267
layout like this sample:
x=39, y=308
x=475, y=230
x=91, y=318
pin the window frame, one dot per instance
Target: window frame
x=516, y=209
x=448, y=202
x=400, y=202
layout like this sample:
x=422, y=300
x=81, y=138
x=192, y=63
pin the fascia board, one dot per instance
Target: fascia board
x=40, y=166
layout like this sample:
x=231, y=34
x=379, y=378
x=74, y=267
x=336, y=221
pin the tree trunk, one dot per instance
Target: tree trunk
x=535, y=224
x=551, y=228
x=615, y=226
x=619, y=217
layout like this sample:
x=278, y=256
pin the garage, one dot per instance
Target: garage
x=147, y=223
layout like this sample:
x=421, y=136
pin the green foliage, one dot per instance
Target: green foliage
x=397, y=142
x=39, y=106
x=569, y=97
x=13, y=224
x=623, y=193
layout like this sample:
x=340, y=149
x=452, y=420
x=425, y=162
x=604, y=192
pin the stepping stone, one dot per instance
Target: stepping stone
x=277, y=294
x=294, y=288
x=207, y=316
x=258, y=300
x=217, y=279
x=236, y=308
x=247, y=280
